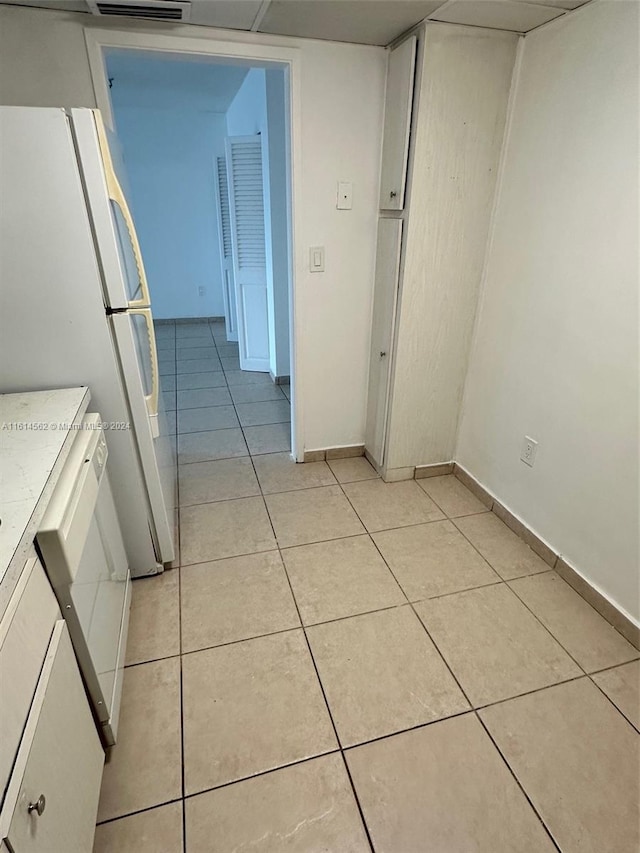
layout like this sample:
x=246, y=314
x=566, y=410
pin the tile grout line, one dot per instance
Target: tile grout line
x=471, y=706
x=319, y=680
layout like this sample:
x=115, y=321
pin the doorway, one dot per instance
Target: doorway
x=206, y=146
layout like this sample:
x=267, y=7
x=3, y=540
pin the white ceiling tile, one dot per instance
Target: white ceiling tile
x=361, y=21
x=228, y=14
x=557, y=4
x=511, y=15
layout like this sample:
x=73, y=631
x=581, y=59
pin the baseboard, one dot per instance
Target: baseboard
x=280, y=380
x=621, y=621
x=438, y=470
x=346, y=452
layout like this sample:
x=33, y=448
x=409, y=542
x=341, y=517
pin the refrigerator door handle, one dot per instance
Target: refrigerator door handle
x=151, y=399
x=118, y=197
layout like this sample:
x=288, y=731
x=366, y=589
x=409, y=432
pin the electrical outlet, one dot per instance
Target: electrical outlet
x=202, y=290
x=529, y=450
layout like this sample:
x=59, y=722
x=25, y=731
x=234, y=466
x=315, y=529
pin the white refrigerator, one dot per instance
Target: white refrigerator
x=75, y=307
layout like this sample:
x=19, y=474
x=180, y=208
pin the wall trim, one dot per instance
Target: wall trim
x=440, y=469
x=616, y=616
x=347, y=451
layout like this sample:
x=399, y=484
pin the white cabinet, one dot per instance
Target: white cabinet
x=52, y=799
x=397, y=121
x=25, y=631
x=463, y=80
x=384, y=308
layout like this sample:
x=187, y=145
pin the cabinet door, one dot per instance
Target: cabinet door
x=60, y=759
x=384, y=310
x=397, y=124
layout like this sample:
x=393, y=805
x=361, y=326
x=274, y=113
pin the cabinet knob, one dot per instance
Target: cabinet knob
x=393, y=194
x=39, y=806
x=382, y=354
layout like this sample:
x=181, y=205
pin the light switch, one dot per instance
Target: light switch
x=316, y=259
x=345, y=195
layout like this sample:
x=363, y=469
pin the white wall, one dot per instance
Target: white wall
x=44, y=62
x=556, y=349
x=169, y=155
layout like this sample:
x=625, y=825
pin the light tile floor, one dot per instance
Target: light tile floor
x=340, y=664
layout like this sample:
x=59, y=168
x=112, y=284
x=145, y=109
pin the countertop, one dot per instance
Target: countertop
x=36, y=434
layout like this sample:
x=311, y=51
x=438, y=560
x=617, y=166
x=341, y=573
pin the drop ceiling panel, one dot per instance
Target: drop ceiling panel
x=362, y=21
x=557, y=4
x=498, y=14
x=228, y=14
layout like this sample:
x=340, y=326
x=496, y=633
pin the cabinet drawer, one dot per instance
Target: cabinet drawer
x=60, y=758
x=25, y=632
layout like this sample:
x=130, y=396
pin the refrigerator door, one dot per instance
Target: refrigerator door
x=127, y=295
x=135, y=343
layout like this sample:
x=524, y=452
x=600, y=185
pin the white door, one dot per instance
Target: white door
x=384, y=311
x=397, y=122
x=249, y=251
x=226, y=254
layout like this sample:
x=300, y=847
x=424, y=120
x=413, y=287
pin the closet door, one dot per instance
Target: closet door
x=249, y=250
x=226, y=258
x=384, y=310
x=397, y=123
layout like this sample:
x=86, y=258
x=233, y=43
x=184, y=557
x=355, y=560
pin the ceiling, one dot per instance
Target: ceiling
x=376, y=22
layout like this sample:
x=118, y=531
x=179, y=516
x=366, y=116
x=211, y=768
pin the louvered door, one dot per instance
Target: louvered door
x=249, y=250
x=226, y=254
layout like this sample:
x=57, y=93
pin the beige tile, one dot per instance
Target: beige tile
x=277, y=472
x=230, y=362
x=224, y=529
x=345, y=452
x=220, y=480
x=622, y=686
x=171, y=422
x=507, y=553
x=385, y=505
x=304, y=808
x=256, y=393
x=446, y=783
x=269, y=412
x=312, y=515
x=451, y=496
x=207, y=379
x=493, y=644
x=588, y=638
x=227, y=348
x=622, y=623
x=198, y=398
x=199, y=365
x=286, y=390
x=247, y=377
x=269, y=438
x=154, y=624
x=352, y=470
x=146, y=764
x=250, y=707
x=433, y=470
x=314, y=455
x=340, y=578
x=528, y=536
x=208, y=418
x=577, y=758
x=166, y=367
x=235, y=599
x=157, y=830
x=214, y=444
x=381, y=674
x=433, y=559
x=169, y=398
x=473, y=485
x=185, y=353
x=168, y=383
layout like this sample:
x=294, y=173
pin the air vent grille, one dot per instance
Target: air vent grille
x=151, y=10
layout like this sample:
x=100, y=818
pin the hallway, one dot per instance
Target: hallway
x=341, y=664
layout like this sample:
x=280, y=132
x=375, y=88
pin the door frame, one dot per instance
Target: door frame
x=232, y=50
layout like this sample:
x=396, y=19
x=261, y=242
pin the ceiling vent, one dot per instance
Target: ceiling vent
x=149, y=10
